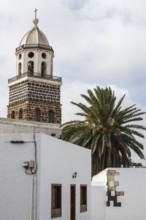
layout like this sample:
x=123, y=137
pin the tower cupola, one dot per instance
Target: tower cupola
x=34, y=54
x=34, y=36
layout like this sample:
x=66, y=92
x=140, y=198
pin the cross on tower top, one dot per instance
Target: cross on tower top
x=35, y=11
x=36, y=20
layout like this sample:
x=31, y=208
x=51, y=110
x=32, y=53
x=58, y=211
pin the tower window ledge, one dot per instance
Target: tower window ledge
x=28, y=46
x=35, y=76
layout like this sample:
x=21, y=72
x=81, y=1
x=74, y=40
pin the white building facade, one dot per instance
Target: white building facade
x=21, y=126
x=119, y=193
x=43, y=178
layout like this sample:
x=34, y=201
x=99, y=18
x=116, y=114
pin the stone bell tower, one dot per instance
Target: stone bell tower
x=34, y=93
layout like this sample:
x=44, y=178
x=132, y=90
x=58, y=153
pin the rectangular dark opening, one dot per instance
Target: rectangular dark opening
x=73, y=202
x=56, y=200
x=83, y=198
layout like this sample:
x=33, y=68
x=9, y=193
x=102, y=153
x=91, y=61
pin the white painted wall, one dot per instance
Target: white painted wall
x=132, y=182
x=15, y=185
x=59, y=160
x=22, y=126
x=21, y=194
x=37, y=59
x=98, y=203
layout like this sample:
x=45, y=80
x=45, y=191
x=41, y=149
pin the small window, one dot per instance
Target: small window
x=44, y=55
x=20, y=56
x=30, y=67
x=13, y=115
x=31, y=54
x=20, y=113
x=51, y=116
x=37, y=114
x=53, y=135
x=56, y=200
x=19, y=68
x=43, y=69
x=83, y=198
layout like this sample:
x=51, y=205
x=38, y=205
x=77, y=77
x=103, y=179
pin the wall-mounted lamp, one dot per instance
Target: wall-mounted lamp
x=25, y=164
x=74, y=175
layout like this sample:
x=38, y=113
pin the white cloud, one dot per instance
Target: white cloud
x=75, y=5
x=71, y=91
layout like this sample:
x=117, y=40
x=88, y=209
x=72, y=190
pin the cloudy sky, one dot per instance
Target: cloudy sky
x=96, y=43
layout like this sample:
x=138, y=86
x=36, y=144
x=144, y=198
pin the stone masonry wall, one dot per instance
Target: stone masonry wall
x=44, y=91
x=29, y=95
x=28, y=109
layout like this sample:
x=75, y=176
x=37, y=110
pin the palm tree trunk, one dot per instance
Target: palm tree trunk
x=103, y=161
x=94, y=164
x=108, y=163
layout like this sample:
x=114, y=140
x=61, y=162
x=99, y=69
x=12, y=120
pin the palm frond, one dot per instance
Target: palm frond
x=107, y=129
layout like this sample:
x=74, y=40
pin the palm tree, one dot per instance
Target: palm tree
x=107, y=129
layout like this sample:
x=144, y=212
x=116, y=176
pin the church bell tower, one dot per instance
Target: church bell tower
x=34, y=93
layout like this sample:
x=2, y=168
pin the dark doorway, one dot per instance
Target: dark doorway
x=72, y=202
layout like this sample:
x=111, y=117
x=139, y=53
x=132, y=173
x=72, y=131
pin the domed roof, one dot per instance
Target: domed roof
x=34, y=36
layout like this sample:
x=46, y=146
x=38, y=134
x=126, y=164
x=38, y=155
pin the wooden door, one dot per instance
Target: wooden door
x=72, y=202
